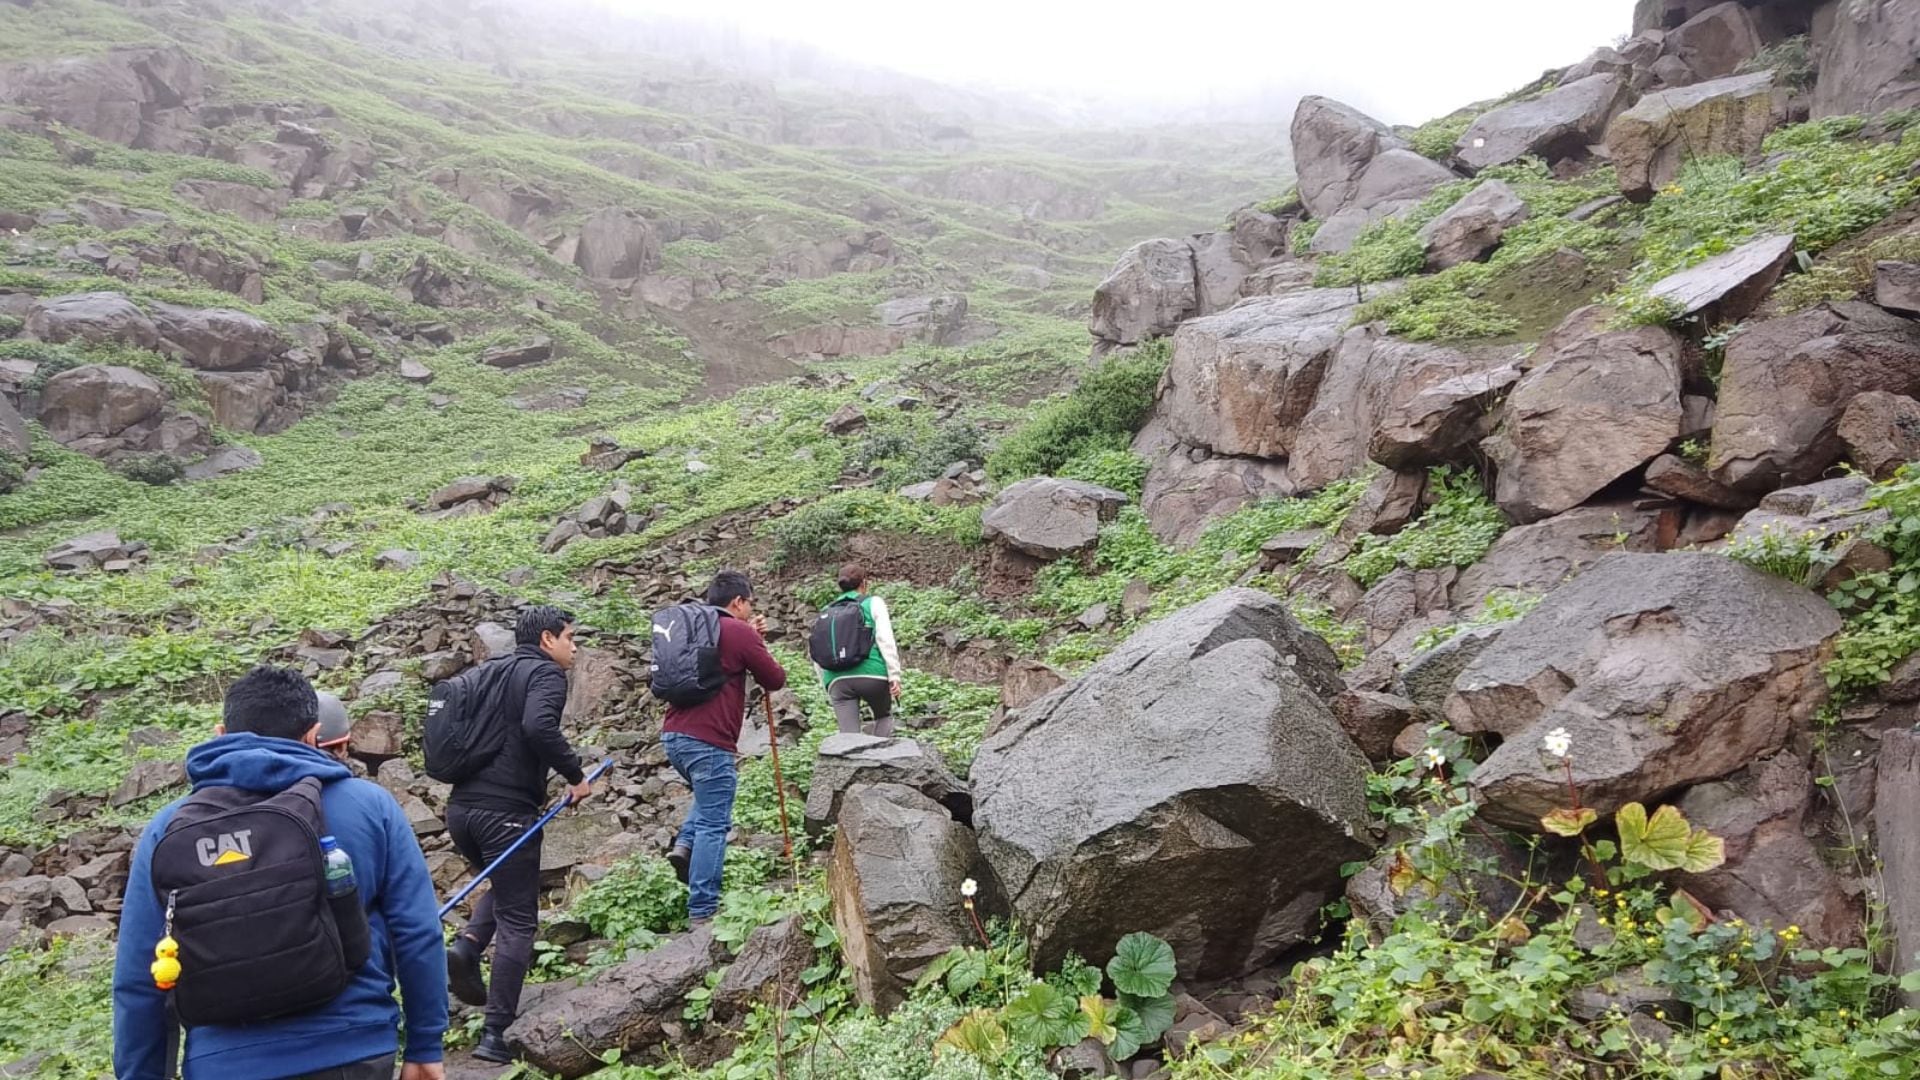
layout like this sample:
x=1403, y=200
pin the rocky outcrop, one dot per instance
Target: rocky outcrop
x=936, y=320
x=898, y=863
x=1650, y=141
x=217, y=339
x=99, y=317
x=534, y=350
x=1868, y=64
x=1394, y=182
x=1560, y=123
x=1786, y=382
x=1188, y=488
x=1534, y=558
x=469, y=495
x=1714, y=43
x=617, y=244
x=1440, y=403
x=1353, y=171
x=139, y=97
x=568, y=1027
x=1896, y=286
x=1048, y=518
x=1595, y=407
x=95, y=551
x=1665, y=670
x=847, y=761
x=1148, y=293
x=1881, y=432
x=1471, y=228
x=1730, y=286
x=108, y=411
x=1193, y=784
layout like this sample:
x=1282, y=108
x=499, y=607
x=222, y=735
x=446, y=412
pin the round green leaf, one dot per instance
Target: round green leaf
x=1142, y=965
x=1130, y=1034
x=1155, y=1013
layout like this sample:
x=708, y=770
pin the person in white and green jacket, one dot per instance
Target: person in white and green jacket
x=875, y=680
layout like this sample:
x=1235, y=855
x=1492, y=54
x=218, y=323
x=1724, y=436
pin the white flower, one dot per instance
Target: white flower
x=1434, y=757
x=1558, y=742
x=969, y=887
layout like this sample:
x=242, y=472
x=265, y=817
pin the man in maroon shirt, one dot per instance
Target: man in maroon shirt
x=702, y=740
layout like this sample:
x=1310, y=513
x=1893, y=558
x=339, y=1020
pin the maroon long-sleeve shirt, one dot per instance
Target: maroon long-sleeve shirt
x=716, y=721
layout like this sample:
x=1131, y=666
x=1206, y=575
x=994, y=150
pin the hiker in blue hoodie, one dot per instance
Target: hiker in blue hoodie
x=244, y=920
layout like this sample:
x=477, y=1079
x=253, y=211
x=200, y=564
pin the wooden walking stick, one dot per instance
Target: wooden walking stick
x=780, y=787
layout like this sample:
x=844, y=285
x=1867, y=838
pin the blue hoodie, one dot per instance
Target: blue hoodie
x=363, y=1021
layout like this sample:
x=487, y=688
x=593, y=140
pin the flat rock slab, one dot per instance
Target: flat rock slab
x=1733, y=283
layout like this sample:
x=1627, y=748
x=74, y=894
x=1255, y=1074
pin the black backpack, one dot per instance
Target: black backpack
x=841, y=638
x=467, y=721
x=686, y=654
x=242, y=879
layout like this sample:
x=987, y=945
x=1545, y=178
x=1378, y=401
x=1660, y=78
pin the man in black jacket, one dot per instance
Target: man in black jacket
x=489, y=810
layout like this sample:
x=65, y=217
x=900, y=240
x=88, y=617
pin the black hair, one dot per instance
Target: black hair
x=728, y=586
x=539, y=620
x=852, y=576
x=272, y=701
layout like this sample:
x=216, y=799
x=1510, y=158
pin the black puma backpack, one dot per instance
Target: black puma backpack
x=241, y=876
x=686, y=654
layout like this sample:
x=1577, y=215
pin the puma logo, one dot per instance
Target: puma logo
x=664, y=631
x=225, y=848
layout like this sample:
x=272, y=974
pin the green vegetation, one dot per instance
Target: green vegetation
x=1097, y=416
x=1458, y=528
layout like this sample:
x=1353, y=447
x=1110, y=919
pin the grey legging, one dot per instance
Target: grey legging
x=846, y=694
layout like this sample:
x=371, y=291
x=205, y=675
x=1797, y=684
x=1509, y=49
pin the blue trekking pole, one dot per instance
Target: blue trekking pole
x=565, y=800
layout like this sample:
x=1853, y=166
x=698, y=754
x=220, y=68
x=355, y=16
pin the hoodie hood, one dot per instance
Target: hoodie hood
x=259, y=763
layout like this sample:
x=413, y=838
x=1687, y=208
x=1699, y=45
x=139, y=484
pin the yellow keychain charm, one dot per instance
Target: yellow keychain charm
x=166, y=965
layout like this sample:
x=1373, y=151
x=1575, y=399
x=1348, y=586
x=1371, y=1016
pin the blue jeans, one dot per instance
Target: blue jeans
x=713, y=776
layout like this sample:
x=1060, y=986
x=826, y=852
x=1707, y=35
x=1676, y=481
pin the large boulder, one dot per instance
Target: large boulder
x=1239, y=382
x=217, y=339
x=1149, y=291
x=533, y=350
x=97, y=317
x=1600, y=404
x=936, y=320
x=1728, y=286
x=1534, y=558
x=1786, y=382
x=1715, y=42
x=567, y=1028
x=1559, y=123
x=1048, y=518
x=139, y=97
x=1896, y=821
x=1471, y=228
x=15, y=440
x=1187, y=489
x=1868, y=66
x=1394, y=182
x=1666, y=670
x=98, y=401
x=898, y=863
x=1773, y=875
x=1332, y=146
x=1650, y=141
x=1896, y=286
x=1193, y=784
x=241, y=400
x=617, y=244
x=1439, y=405
x=847, y=761
x=1881, y=432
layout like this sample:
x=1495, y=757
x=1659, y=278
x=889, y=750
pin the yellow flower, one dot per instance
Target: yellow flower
x=1843, y=1014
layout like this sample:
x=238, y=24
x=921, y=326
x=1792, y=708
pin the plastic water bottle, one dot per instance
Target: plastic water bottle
x=339, y=872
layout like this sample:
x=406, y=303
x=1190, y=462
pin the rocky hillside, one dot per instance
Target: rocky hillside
x=1462, y=626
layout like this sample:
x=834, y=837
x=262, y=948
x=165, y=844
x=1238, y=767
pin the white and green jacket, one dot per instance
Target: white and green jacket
x=884, y=661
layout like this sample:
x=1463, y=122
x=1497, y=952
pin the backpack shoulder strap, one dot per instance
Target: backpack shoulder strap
x=212, y=801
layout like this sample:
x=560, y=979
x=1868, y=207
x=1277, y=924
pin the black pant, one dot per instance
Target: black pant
x=511, y=904
x=377, y=1068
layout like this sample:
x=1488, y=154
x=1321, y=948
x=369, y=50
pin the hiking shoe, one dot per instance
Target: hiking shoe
x=682, y=862
x=493, y=1047
x=463, y=972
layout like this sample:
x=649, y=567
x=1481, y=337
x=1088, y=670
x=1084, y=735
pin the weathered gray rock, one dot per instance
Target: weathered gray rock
x=616, y=243
x=1332, y=146
x=1786, y=381
x=1896, y=286
x=1773, y=875
x=148, y=777
x=1597, y=406
x=1896, y=820
x=97, y=317
x=1471, y=228
x=846, y=420
x=491, y=640
x=1867, y=66
x=396, y=559
x=1372, y=719
x=1239, y=382
x=415, y=372
x=141, y=97
x=95, y=550
x=1733, y=284
x=1183, y=496
x=532, y=351
x=1439, y=404
x=241, y=400
x=898, y=863
x=847, y=761
x=217, y=339
x=15, y=440
x=1881, y=432
x=1671, y=475
x=767, y=971
x=1650, y=141
x=626, y=1007
x=936, y=320
x=1192, y=784
x=1394, y=182
x=1559, y=123
x=1427, y=678
x=1149, y=291
x=1048, y=518
x=1666, y=670
x=1714, y=43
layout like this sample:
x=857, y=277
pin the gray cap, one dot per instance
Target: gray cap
x=334, y=723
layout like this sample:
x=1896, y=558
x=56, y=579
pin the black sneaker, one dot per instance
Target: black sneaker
x=493, y=1047
x=682, y=862
x=463, y=972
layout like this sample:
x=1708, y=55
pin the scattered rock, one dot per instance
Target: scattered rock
x=396, y=559
x=936, y=320
x=1558, y=124
x=627, y=1007
x=1148, y=293
x=532, y=351
x=94, y=551
x=1426, y=679
x=1471, y=228
x=898, y=862
x=470, y=495
x=1192, y=784
x=1373, y=720
x=614, y=244
x=767, y=971
x=98, y=317
x=1666, y=671
x=602, y=516
x=847, y=761
x=1649, y=142
x=147, y=777
x=1048, y=518
x=224, y=461
x=1595, y=405
x=607, y=455
x=846, y=420
x=415, y=372
x=491, y=640
x=1731, y=285
x=1786, y=381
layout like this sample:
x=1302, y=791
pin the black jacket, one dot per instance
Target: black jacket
x=515, y=781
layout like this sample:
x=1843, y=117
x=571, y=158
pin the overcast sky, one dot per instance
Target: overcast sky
x=1404, y=60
